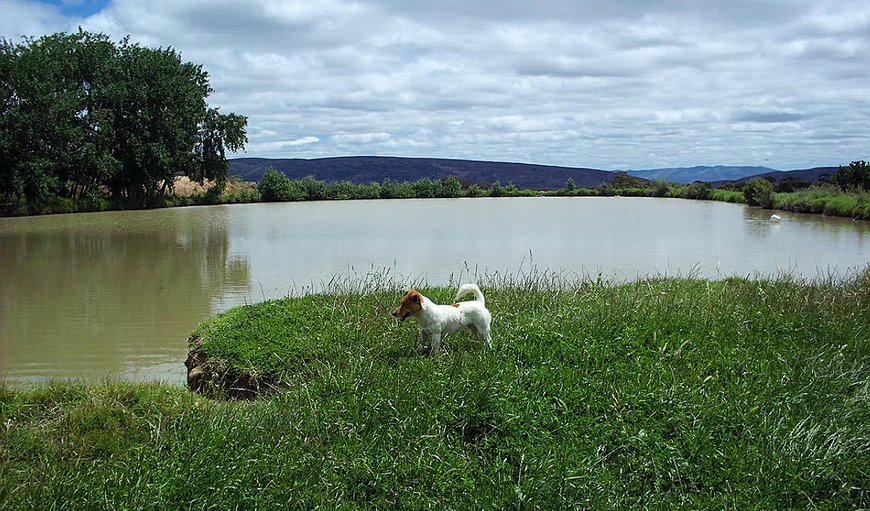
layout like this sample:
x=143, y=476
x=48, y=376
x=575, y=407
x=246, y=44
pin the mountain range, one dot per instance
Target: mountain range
x=722, y=173
x=700, y=173
x=367, y=169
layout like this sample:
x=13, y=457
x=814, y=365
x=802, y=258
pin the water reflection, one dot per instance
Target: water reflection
x=109, y=294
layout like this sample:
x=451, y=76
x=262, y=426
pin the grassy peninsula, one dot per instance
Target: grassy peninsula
x=665, y=393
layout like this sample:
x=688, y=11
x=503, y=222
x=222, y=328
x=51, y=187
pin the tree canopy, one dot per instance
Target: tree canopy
x=854, y=177
x=79, y=112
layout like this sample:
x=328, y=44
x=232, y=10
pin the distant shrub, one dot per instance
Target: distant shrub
x=661, y=188
x=341, y=190
x=727, y=196
x=275, y=186
x=426, y=188
x=241, y=196
x=758, y=192
x=698, y=190
x=496, y=190
x=473, y=191
x=369, y=191
x=451, y=187
x=841, y=205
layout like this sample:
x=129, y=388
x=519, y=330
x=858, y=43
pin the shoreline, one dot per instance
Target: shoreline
x=789, y=202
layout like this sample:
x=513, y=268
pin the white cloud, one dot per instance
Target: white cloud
x=21, y=18
x=303, y=141
x=360, y=138
x=650, y=83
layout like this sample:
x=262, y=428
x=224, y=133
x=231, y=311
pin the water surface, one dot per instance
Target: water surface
x=116, y=294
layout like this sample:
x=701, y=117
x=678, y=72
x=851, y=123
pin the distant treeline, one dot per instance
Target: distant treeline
x=846, y=195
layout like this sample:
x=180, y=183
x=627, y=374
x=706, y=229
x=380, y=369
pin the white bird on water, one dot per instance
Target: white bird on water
x=774, y=219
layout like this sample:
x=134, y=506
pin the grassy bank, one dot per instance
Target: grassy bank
x=826, y=200
x=733, y=394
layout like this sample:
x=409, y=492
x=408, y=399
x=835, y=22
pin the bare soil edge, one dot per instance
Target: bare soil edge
x=214, y=379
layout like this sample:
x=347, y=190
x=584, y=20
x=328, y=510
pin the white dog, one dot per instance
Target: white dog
x=439, y=321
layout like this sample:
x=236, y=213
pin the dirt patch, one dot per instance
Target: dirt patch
x=213, y=378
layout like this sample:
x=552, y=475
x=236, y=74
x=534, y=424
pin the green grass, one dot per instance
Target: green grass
x=666, y=393
x=828, y=200
x=728, y=196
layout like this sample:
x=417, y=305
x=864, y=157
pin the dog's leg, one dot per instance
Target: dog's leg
x=487, y=338
x=436, y=343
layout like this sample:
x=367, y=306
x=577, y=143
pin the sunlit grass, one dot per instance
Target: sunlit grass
x=685, y=393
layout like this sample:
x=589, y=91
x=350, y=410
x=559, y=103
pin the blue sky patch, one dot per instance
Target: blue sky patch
x=77, y=8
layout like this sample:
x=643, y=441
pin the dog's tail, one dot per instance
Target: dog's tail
x=470, y=288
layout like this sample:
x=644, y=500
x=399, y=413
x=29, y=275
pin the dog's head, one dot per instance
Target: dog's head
x=412, y=302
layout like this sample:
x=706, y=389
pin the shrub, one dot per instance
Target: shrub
x=241, y=196
x=698, y=190
x=451, y=186
x=275, y=186
x=758, y=192
x=661, y=188
x=496, y=190
x=727, y=196
x=841, y=205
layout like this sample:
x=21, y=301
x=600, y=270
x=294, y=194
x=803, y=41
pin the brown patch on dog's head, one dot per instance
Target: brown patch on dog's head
x=454, y=305
x=412, y=303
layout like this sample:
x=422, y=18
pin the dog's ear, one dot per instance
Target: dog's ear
x=415, y=297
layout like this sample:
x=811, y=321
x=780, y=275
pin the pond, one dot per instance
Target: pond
x=116, y=294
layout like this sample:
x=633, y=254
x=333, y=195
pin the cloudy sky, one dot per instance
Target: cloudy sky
x=627, y=84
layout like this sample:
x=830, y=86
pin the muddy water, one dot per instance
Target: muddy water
x=115, y=294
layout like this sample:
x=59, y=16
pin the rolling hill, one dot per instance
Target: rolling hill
x=701, y=173
x=367, y=169
x=812, y=175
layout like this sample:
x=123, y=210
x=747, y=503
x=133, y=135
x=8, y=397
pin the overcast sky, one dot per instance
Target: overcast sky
x=620, y=84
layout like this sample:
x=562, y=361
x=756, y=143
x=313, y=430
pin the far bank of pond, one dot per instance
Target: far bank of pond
x=819, y=198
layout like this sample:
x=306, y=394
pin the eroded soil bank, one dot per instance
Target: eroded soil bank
x=215, y=379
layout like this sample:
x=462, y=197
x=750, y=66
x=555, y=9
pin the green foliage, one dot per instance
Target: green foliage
x=274, y=186
x=451, y=187
x=684, y=394
x=79, y=112
x=727, y=196
x=826, y=199
x=661, y=188
x=854, y=177
x=241, y=196
x=758, y=192
x=496, y=190
x=698, y=190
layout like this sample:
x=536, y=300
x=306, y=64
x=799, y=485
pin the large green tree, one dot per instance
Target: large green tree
x=854, y=177
x=78, y=111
